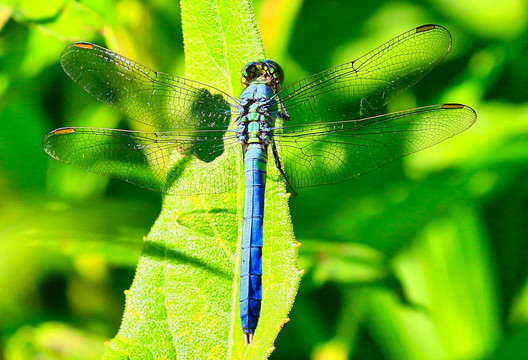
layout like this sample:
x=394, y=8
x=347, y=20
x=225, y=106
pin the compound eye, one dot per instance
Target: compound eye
x=248, y=65
x=275, y=70
x=248, y=74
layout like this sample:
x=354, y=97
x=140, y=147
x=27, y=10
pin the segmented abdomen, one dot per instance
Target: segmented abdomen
x=255, y=160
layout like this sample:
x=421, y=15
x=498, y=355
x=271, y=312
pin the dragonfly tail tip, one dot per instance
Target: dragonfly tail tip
x=248, y=339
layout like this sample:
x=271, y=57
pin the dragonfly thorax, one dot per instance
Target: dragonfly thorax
x=255, y=114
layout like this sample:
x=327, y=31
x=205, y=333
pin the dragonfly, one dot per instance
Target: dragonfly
x=317, y=130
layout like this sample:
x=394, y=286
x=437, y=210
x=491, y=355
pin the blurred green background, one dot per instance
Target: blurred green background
x=423, y=259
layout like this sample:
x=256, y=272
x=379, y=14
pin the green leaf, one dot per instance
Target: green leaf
x=183, y=303
x=53, y=341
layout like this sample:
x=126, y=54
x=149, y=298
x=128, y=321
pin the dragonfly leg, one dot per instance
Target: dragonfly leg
x=279, y=165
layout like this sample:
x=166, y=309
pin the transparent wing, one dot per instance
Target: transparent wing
x=183, y=162
x=145, y=95
x=328, y=153
x=354, y=89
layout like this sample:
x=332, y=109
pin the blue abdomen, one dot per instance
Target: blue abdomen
x=255, y=160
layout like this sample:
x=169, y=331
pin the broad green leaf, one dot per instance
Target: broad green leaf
x=183, y=303
x=445, y=271
x=38, y=10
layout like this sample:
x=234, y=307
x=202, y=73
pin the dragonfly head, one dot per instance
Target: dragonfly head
x=266, y=71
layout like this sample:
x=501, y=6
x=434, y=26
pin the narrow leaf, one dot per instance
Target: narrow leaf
x=183, y=303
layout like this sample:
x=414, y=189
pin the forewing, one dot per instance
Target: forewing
x=355, y=89
x=145, y=95
x=182, y=163
x=334, y=152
